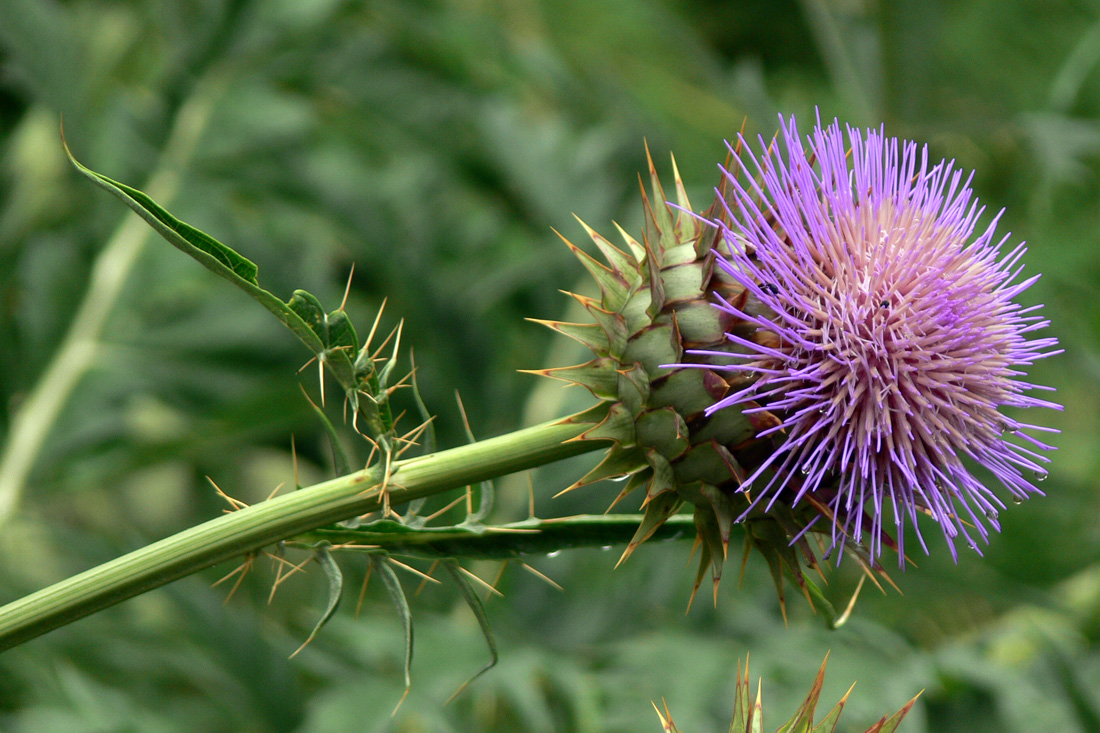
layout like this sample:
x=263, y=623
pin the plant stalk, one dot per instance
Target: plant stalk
x=532, y=536
x=252, y=528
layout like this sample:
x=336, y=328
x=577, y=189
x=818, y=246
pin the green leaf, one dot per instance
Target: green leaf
x=334, y=329
x=397, y=594
x=340, y=459
x=335, y=590
x=207, y=250
x=212, y=254
x=475, y=604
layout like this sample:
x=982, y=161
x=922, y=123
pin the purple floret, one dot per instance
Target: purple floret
x=898, y=336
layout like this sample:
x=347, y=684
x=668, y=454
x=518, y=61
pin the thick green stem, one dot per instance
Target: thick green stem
x=532, y=536
x=255, y=527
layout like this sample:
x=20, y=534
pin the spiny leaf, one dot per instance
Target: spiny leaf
x=397, y=595
x=334, y=329
x=829, y=722
x=689, y=227
x=340, y=460
x=223, y=261
x=335, y=589
x=617, y=425
x=212, y=253
x=821, y=604
x=661, y=216
x=747, y=716
x=617, y=462
x=474, y=602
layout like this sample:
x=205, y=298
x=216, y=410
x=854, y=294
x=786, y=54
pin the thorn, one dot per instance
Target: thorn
x=627, y=553
x=280, y=576
x=842, y=618
x=303, y=367
x=374, y=448
x=400, y=703
x=409, y=439
x=412, y=570
x=275, y=491
x=234, y=503
x=496, y=580
x=294, y=456
x=537, y=574
x=347, y=288
x=476, y=579
x=567, y=489
x=444, y=510
x=424, y=582
x=243, y=569
x=530, y=496
x=696, y=544
x=666, y=720
x=363, y=590
x=470, y=435
x=395, y=331
x=383, y=490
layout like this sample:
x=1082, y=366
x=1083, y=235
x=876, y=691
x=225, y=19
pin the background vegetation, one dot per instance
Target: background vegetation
x=434, y=145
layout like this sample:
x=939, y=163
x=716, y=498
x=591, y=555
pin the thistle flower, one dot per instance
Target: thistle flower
x=825, y=337
x=894, y=338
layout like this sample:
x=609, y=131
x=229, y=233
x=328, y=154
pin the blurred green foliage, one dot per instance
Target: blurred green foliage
x=434, y=145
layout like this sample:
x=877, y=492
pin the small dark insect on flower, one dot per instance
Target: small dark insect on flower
x=881, y=411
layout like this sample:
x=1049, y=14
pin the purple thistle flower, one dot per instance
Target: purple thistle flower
x=898, y=338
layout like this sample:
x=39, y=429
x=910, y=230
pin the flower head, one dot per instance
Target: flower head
x=894, y=339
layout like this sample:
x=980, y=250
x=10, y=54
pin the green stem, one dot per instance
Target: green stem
x=532, y=536
x=252, y=528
